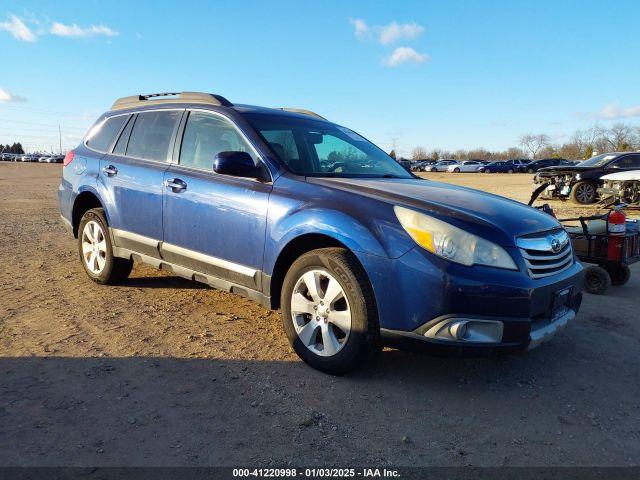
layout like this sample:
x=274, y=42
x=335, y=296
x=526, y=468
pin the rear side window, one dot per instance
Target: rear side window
x=101, y=137
x=152, y=134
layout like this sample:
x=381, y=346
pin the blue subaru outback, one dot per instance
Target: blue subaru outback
x=301, y=214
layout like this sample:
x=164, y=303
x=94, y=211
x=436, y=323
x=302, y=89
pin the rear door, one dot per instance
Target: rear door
x=133, y=174
x=214, y=224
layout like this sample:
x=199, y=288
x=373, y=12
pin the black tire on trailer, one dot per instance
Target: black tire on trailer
x=596, y=280
x=620, y=274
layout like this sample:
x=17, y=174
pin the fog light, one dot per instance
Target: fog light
x=458, y=330
x=467, y=330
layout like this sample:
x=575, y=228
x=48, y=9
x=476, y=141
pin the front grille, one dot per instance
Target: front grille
x=540, y=257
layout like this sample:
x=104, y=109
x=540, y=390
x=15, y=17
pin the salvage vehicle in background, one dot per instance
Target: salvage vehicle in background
x=621, y=187
x=307, y=216
x=466, y=166
x=580, y=182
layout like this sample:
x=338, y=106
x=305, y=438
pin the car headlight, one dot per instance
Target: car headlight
x=452, y=243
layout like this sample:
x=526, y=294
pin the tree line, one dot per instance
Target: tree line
x=15, y=148
x=583, y=144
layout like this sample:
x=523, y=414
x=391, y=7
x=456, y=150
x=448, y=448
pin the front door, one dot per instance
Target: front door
x=214, y=224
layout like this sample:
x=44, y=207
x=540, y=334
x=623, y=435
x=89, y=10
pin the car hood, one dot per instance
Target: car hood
x=495, y=218
x=623, y=176
x=565, y=169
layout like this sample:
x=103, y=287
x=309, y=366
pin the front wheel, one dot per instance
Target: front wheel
x=457, y=170
x=328, y=311
x=96, y=250
x=583, y=192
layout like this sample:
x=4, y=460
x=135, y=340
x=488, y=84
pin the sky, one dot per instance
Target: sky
x=402, y=73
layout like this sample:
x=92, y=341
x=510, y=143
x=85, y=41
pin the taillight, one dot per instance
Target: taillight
x=68, y=158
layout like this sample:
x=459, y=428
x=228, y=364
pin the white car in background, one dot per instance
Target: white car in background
x=440, y=166
x=466, y=166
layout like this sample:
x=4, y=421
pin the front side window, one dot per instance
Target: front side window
x=103, y=134
x=315, y=148
x=206, y=135
x=630, y=161
x=151, y=135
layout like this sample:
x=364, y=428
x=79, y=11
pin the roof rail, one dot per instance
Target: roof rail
x=185, y=97
x=301, y=110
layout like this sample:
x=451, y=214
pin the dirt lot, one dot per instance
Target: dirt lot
x=162, y=371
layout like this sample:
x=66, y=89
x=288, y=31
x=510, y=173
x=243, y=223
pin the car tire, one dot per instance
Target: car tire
x=583, y=192
x=596, y=280
x=530, y=170
x=342, y=334
x=96, y=250
x=510, y=171
x=456, y=170
x=620, y=274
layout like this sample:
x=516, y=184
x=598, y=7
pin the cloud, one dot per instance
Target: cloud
x=75, y=31
x=614, y=111
x=404, y=55
x=9, y=97
x=394, y=31
x=16, y=27
x=360, y=27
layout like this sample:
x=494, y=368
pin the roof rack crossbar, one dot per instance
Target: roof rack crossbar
x=155, y=99
x=302, y=111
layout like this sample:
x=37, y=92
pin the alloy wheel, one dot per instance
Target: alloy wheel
x=585, y=193
x=94, y=247
x=320, y=313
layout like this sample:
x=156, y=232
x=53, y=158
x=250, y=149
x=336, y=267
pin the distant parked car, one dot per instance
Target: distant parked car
x=503, y=166
x=536, y=165
x=466, y=166
x=421, y=165
x=440, y=166
x=55, y=159
x=43, y=159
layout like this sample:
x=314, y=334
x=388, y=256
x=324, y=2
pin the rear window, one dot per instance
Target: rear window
x=102, y=135
x=152, y=134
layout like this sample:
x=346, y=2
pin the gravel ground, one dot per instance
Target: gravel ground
x=163, y=371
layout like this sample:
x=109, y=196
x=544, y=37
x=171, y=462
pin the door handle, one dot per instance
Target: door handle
x=110, y=170
x=176, y=185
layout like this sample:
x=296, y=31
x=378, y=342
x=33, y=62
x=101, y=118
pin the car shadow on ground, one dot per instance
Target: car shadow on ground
x=208, y=411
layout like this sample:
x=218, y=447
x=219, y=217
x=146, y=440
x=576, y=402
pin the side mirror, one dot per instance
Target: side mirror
x=237, y=164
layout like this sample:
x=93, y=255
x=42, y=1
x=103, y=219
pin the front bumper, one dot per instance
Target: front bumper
x=424, y=291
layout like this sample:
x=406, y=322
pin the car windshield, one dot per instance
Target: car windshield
x=597, y=161
x=315, y=148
